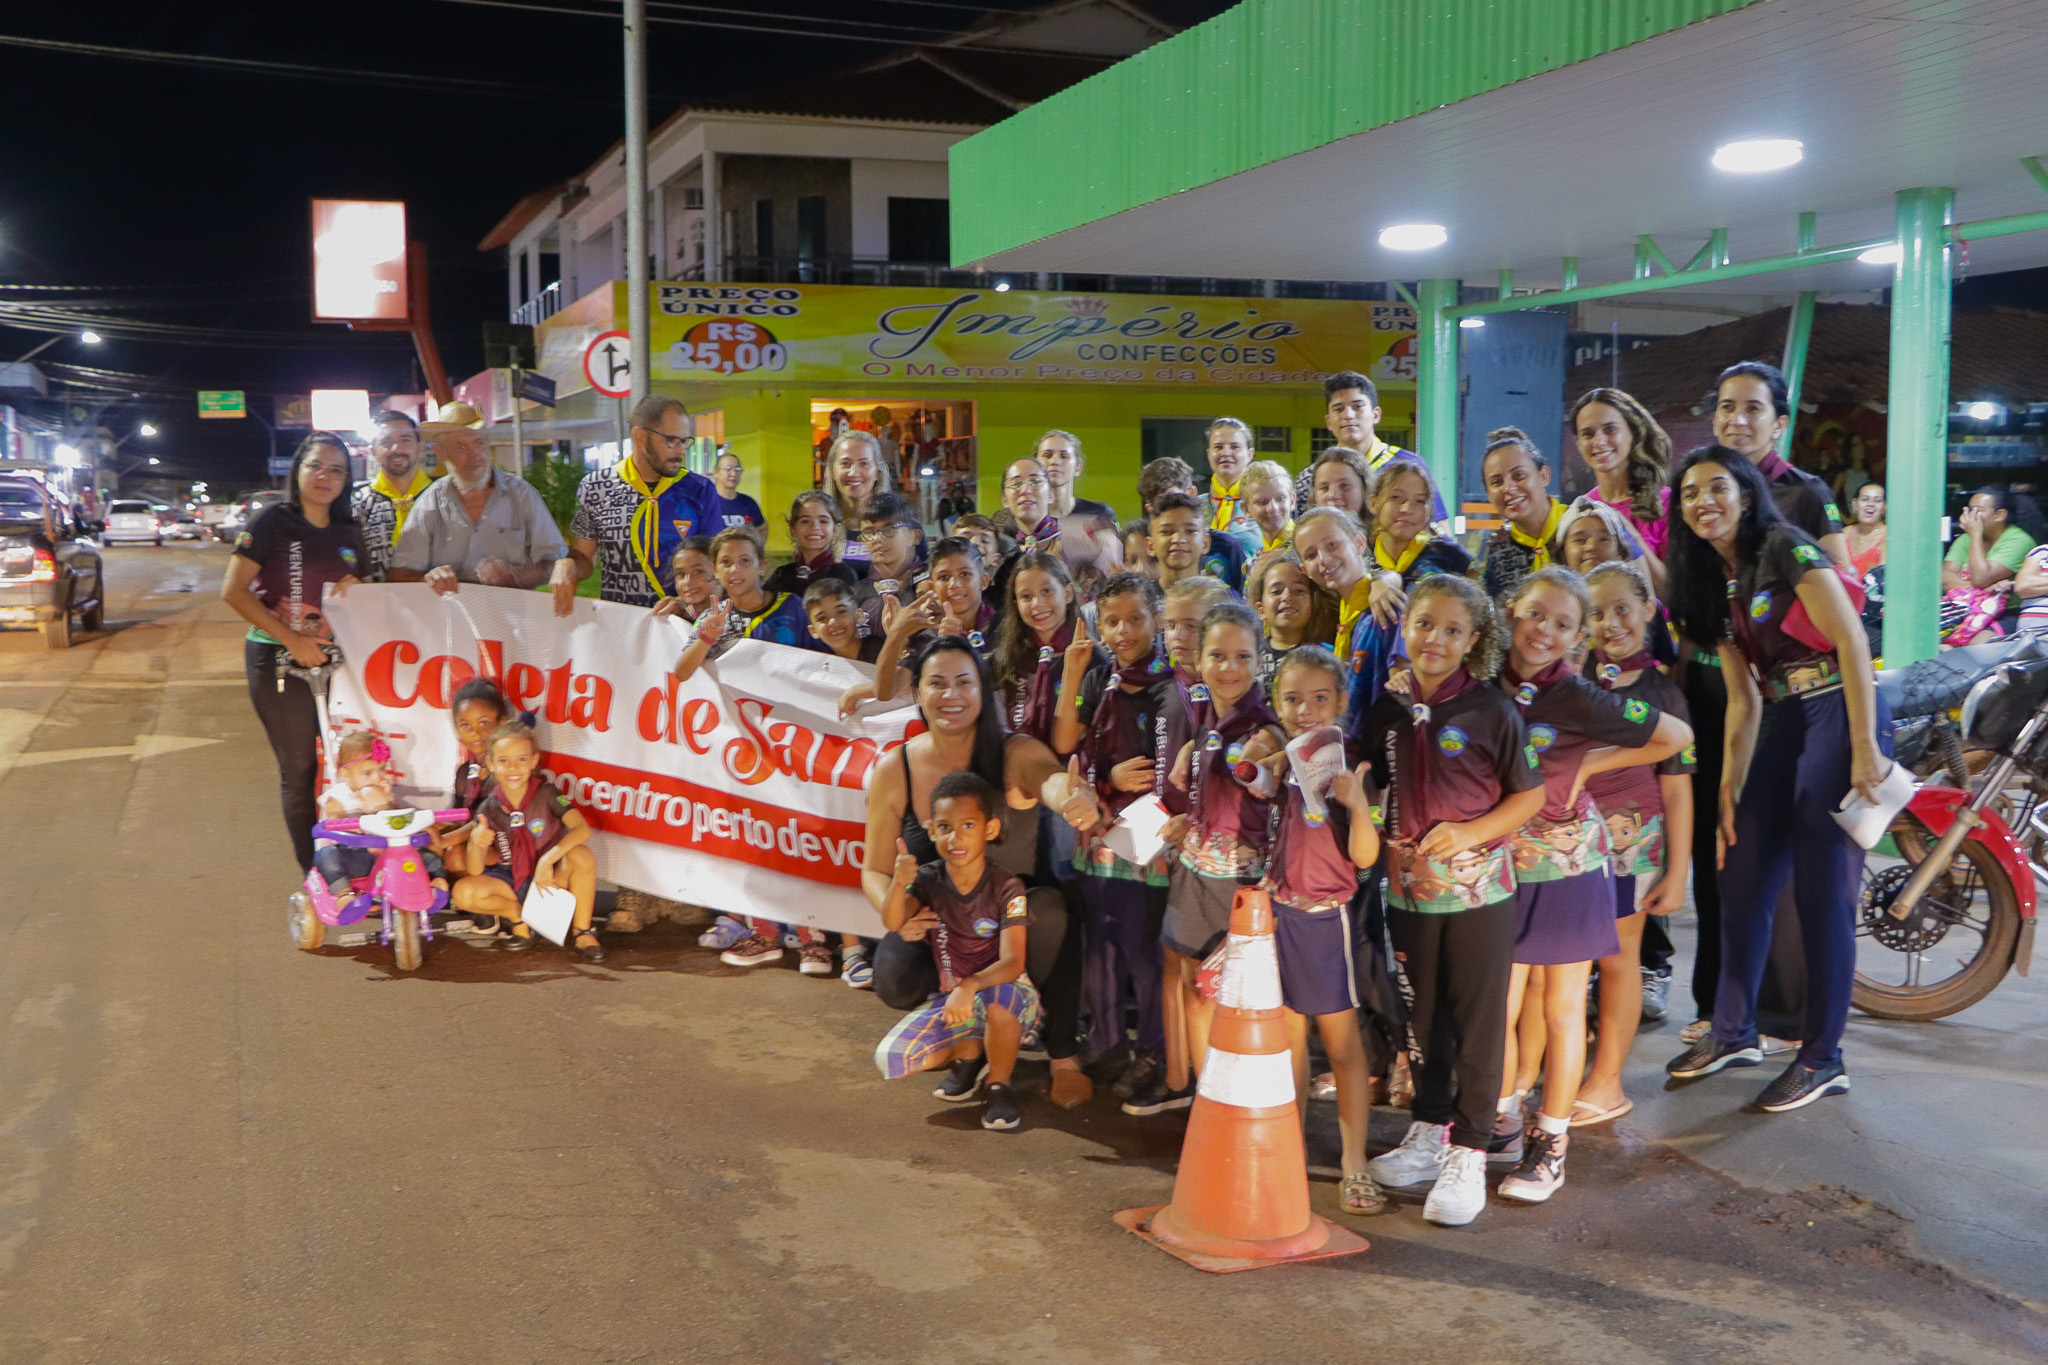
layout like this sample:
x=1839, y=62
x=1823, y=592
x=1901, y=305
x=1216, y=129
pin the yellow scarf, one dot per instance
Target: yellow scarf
x=1279, y=542
x=643, y=524
x=1224, y=500
x=401, y=502
x=1400, y=563
x=765, y=613
x=1377, y=454
x=1356, y=603
x=1541, y=542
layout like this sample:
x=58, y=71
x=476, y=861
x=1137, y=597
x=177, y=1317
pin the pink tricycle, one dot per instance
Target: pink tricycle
x=397, y=884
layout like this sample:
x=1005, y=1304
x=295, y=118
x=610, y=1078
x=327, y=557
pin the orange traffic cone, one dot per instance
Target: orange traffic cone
x=1240, y=1198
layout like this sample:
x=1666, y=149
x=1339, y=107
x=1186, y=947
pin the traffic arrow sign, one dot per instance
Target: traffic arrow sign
x=145, y=746
x=608, y=364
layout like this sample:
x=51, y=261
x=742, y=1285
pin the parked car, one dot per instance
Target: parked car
x=245, y=512
x=132, y=520
x=178, y=523
x=49, y=570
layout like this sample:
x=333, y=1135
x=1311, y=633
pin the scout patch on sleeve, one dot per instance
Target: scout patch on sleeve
x=1015, y=909
x=1529, y=753
x=244, y=541
x=1636, y=709
x=1688, y=758
x=1807, y=554
x=1834, y=512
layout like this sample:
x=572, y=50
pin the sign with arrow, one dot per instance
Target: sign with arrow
x=608, y=364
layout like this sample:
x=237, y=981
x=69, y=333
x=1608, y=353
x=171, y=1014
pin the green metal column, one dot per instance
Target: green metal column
x=1797, y=335
x=1436, y=386
x=1916, y=426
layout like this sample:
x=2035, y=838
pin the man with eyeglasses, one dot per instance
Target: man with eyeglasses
x=478, y=525
x=734, y=507
x=630, y=518
x=382, y=505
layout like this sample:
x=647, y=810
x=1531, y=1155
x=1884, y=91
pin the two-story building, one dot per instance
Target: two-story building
x=801, y=242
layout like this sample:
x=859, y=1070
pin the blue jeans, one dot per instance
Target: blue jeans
x=1785, y=828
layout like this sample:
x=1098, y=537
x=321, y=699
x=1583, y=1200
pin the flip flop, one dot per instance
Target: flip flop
x=1595, y=1114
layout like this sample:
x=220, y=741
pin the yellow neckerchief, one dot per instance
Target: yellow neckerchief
x=401, y=503
x=1407, y=557
x=1356, y=603
x=765, y=613
x=1224, y=501
x=1540, y=543
x=1378, y=453
x=1279, y=542
x=643, y=517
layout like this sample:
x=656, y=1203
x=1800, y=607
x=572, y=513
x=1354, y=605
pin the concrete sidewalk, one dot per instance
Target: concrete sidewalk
x=1945, y=1126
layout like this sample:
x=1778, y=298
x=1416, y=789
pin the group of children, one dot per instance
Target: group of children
x=1495, y=797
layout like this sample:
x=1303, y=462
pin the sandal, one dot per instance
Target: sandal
x=592, y=951
x=1696, y=1030
x=1595, y=1114
x=1360, y=1194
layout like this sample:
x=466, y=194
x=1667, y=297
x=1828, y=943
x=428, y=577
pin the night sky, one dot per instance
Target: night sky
x=122, y=173
x=195, y=181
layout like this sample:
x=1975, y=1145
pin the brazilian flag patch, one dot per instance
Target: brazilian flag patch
x=1636, y=709
x=1689, y=757
x=1834, y=513
x=1807, y=554
x=1529, y=752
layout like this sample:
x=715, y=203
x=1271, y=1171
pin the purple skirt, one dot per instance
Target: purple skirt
x=1565, y=921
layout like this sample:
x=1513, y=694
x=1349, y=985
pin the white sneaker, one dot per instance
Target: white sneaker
x=1460, y=1191
x=1417, y=1160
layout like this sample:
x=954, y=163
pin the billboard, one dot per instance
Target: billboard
x=359, y=261
x=835, y=334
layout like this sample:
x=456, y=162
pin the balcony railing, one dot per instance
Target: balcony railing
x=540, y=307
x=932, y=274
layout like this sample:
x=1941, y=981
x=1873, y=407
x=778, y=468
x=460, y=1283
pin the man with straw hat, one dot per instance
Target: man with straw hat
x=478, y=525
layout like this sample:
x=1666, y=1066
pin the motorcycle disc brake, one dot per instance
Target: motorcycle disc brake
x=1917, y=932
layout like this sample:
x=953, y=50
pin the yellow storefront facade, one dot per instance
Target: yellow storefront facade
x=958, y=382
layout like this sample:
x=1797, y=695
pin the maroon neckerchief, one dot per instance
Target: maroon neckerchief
x=1042, y=694
x=1773, y=467
x=978, y=634
x=1045, y=536
x=471, y=784
x=806, y=567
x=1608, y=673
x=524, y=848
x=1525, y=690
x=1108, y=712
x=1419, y=710
x=1213, y=738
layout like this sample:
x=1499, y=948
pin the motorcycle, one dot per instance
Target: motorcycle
x=1949, y=897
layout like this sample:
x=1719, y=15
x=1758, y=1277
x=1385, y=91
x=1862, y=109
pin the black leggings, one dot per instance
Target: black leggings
x=906, y=974
x=293, y=725
x=1454, y=969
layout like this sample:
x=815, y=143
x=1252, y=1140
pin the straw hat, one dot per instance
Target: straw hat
x=454, y=417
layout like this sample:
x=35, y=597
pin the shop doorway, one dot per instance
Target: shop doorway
x=928, y=443
x=1184, y=438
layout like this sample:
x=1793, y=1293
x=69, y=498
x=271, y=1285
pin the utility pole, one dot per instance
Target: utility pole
x=638, y=335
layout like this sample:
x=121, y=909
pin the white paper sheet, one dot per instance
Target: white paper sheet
x=550, y=910
x=1135, y=835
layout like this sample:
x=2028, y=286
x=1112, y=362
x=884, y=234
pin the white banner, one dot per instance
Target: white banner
x=740, y=790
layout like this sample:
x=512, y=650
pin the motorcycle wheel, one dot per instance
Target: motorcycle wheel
x=1963, y=932
x=308, y=933
x=405, y=940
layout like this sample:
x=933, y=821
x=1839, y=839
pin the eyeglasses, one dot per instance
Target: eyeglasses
x=672, y=442
x=875, y=534
x=1018, y=485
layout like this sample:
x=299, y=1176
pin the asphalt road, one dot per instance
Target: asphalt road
x=214, y=1148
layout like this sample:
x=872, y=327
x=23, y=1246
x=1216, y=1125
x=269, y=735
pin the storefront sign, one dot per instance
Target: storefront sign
x=835, y=334
x=740, y=790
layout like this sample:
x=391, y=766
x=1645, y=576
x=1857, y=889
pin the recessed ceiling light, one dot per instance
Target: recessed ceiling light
x=1983, y=412
x=1413, y=236
x=1759, y=154
x=1888, y=254
x=1471, y=324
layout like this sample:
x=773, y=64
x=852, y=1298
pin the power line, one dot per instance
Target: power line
x=401, y=79
x=833, y=35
